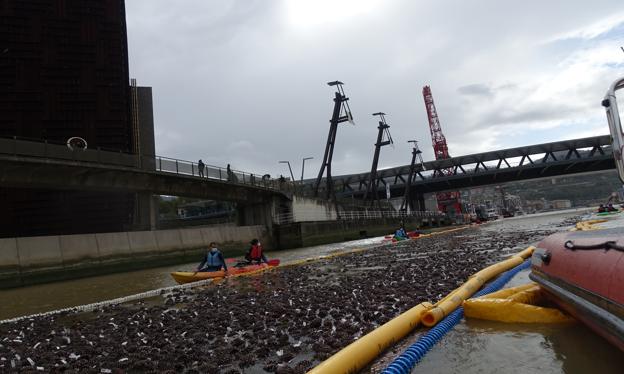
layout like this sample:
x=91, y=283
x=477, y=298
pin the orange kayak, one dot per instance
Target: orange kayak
x=182, y=277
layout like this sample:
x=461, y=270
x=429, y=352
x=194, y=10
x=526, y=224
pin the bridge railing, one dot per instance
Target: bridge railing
x=317, y=216
x=190, y=168
x=18, y=146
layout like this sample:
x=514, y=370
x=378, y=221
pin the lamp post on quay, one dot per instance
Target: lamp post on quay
x=289, y=168
x=303, y=166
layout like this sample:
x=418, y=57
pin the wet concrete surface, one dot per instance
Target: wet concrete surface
x=286, y=320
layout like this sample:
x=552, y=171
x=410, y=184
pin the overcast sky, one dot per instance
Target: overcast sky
x=244, y=82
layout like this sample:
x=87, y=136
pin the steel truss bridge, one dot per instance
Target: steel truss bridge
x=494, y=167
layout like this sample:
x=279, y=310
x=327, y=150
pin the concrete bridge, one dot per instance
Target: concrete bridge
x=32, y=164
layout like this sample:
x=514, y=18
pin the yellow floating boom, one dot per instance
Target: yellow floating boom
x=514, y=305
x=474, y=283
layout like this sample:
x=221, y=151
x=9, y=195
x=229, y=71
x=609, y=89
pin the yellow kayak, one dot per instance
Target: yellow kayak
x=182, y=277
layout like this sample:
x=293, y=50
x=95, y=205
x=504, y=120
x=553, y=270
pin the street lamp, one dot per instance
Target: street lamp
x=289, y=168
x=303, y=166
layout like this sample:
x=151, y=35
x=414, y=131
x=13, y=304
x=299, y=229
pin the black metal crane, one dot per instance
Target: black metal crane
x=383, y=138
x=341, y=113
x=417, y=163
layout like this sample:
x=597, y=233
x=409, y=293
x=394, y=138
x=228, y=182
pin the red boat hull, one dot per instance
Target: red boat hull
x=589, y=284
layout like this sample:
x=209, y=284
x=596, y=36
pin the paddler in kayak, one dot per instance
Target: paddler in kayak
x=213, y=260
x=255, y=253
x=400, y=234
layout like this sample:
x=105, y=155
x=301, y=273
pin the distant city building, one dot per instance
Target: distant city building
x=65, y=74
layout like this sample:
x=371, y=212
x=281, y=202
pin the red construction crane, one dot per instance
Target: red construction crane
x=448, y=202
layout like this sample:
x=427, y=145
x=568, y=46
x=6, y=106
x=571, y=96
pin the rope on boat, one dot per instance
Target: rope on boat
x=604, y=245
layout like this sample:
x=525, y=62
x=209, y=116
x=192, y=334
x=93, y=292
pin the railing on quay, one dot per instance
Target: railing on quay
x=18, y=146
x=317, y=216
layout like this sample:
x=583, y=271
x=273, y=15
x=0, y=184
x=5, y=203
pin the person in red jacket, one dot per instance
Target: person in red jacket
x=255, y=253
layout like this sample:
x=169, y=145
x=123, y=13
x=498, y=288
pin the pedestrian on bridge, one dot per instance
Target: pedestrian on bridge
x=200, y=167
x=231, y=177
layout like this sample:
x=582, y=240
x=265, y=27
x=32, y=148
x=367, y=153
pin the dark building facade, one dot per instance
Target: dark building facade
x=64, y=73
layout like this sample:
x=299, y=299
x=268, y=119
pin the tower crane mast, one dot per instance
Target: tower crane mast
x=437, y=137
x=448, y=202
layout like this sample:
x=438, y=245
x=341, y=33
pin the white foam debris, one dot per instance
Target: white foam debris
x=30, y=361
x=280, y=353
x=123, y=359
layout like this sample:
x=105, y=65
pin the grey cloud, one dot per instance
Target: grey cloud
x=475, y=89
x=228, y=74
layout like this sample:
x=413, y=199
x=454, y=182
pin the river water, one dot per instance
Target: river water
x=472, y=347
x=478, y=346
x=58, y=295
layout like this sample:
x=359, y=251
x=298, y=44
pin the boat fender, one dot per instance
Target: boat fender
x=541, y=257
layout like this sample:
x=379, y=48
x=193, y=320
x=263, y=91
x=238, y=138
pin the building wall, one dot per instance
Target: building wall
x=307, y=209
x=64, y=73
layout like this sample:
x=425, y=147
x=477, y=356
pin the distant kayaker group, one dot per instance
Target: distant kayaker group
x=608, y=208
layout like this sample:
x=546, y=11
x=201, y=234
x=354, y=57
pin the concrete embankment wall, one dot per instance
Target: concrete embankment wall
x=304, y=234
x=40, y=259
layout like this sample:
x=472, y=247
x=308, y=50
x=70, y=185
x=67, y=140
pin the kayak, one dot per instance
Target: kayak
x=602, y=214
x=393, y=239
x=182, y=277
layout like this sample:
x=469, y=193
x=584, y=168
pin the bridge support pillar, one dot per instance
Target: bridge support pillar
x=417, y=201
x=146, y=212
x=255, y=214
